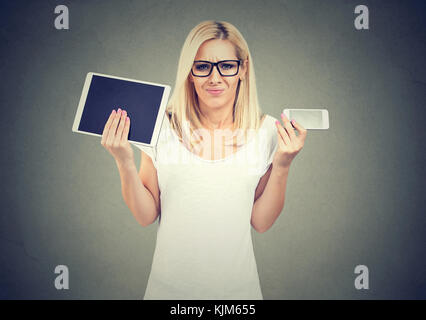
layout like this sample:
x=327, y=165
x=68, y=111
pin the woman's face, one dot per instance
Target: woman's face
x=216, y=91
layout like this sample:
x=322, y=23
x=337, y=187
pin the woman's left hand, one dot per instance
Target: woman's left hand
x=289, y=144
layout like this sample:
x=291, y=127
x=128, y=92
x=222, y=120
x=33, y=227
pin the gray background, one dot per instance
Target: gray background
x=355, y=193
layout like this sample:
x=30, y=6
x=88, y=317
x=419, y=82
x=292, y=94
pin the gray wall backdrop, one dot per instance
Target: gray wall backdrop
x=355, y=193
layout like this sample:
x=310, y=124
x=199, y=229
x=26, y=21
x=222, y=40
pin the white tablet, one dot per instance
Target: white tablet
x=145, y=103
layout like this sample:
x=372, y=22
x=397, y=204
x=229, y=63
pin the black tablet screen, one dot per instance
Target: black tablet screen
x=141, y=101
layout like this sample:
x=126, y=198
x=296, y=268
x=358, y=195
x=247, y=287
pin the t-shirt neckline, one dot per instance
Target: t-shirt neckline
x=234, y=154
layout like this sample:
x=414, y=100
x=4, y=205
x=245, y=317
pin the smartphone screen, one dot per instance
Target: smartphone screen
x=309, y=118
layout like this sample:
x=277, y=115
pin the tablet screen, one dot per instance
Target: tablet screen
x=141, y=101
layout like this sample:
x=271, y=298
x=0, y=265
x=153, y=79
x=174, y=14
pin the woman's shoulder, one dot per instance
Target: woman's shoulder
x=269, y=118
x=268, y=121
x=166, y=120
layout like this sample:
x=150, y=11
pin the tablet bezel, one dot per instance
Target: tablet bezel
x=158, y=122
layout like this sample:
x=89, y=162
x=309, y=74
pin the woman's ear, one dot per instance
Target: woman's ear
x=190, y=78
x=244, y=68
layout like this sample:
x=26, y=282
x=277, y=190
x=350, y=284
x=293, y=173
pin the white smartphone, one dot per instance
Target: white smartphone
x=309, y=118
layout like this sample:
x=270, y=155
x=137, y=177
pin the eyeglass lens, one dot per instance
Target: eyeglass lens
x=226, y=68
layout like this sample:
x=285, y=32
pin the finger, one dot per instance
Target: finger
x=281, y=143
x=288, y=127
x=107, y=126
x=283, y=133
x=113, y=128
x=125, y=134
x=302, y=131
x=120, y=127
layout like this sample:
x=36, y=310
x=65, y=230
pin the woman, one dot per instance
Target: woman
x=208, y=201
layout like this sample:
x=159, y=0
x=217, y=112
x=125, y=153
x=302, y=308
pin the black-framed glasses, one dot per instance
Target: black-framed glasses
x=226, y=68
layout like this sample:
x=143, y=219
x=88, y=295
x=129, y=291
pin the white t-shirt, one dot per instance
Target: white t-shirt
x=204, y=247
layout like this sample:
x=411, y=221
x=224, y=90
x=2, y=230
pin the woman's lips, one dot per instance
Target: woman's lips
x=215, y=92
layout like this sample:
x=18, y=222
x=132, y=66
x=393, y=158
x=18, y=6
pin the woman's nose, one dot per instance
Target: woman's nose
x=215, y=75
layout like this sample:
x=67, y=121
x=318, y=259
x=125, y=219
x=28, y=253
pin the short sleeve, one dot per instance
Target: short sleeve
x=154, y=152
x=151, y=152
x=271, y=144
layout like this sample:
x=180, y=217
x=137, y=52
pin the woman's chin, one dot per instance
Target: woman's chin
x=215, y=103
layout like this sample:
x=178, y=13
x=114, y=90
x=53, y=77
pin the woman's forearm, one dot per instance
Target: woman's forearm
x=269, y=205
x=136, y=196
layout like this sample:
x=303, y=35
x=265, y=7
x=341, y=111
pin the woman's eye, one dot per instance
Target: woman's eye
x=202, y=66
x=227, y=66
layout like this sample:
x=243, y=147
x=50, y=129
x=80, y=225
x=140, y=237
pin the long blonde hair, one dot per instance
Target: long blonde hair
x=183, y=104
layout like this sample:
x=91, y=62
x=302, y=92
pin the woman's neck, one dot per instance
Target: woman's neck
x=222, y=118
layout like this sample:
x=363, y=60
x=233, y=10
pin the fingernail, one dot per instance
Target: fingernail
x=277, y=122
x=119, y=110
x=127, y=119
x=292, y=121
x=113, y=111
x=282, y=115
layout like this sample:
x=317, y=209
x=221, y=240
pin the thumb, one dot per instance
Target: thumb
x=296, y=124
x=300, y=128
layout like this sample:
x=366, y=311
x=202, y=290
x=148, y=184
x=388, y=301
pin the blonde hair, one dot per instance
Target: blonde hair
x=183, y=104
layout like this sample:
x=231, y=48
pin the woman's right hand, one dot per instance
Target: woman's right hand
x=115, y=140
